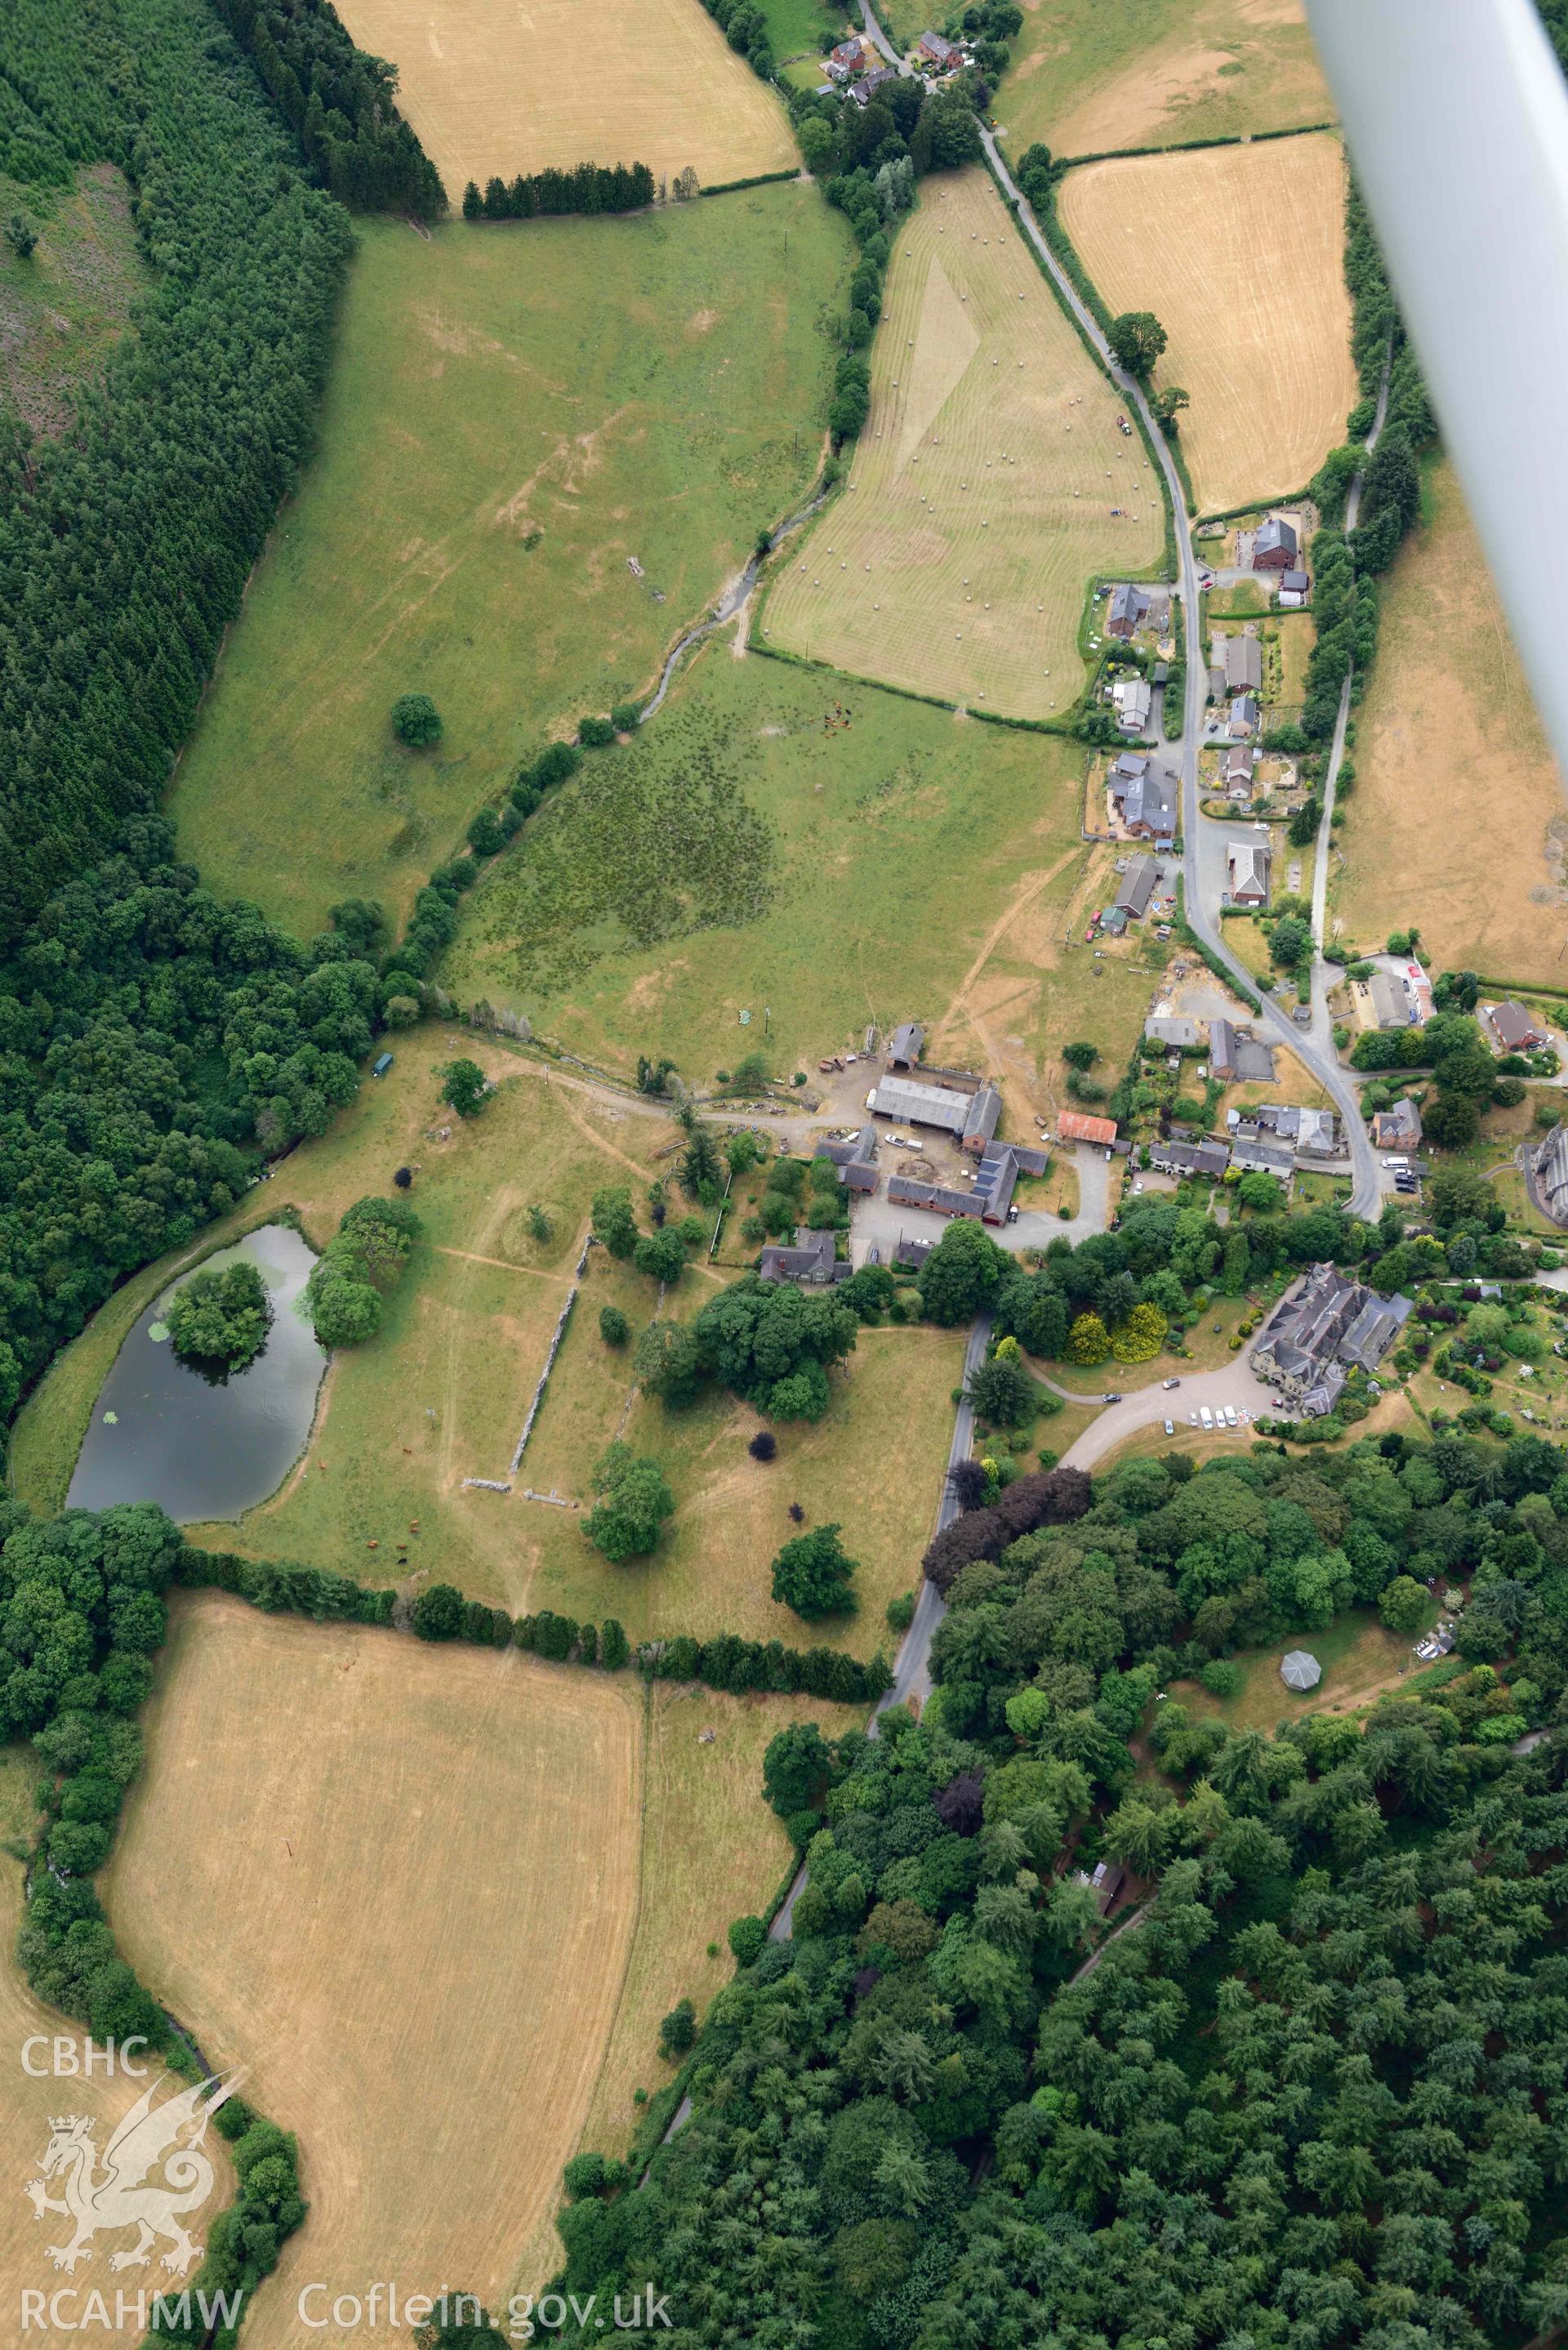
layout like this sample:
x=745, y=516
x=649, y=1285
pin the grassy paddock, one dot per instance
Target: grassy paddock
x=652, y=81
x=1360, y=1661
x=1239, y=252
x=498, y=443
x=1087, y=76
x=979, y=501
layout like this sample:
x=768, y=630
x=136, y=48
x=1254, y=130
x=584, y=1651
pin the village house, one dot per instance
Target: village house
x=1236, y=1058
x=1292, y=589
x=1245, y=715
x=1381, y=1001
x=1515, y=1029
x=1253, y=1155
x=1144, y=796
x=1236, y=770
x=811, y=1262
x=1105, y=1881
x=1247, y=870
x=1324, y=1326
x=1209, y=1159
x=1243, y=662
x=1127, y=610
x=847, y=60
x=1399, y=1128
x=1171, y=1028
x=941, y=54
x=1137, y=888
x=1275, y=545
x=866, y=87
x=1311, y=1133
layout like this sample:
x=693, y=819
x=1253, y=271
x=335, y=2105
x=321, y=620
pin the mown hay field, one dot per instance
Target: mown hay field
x=515, y=413
x=493, y=88
x=1091, y=76
x=399, y=1883
x=1458, y=821
x=1239, y=252
x=980, y=504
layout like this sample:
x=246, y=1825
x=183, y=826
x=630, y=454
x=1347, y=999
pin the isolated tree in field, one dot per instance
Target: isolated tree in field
x=614, y=1327
x=668, y=1364
x=416, y=720
x=1136, y=338
x=221, y=1318
x=764, y=1445
x=21, y=235
x=1080, y=1056
x=637, y=1501
x=464, y=1087
x=615, y=1225
x=814, y=1576
x=661, y=1255
x=1169, y=403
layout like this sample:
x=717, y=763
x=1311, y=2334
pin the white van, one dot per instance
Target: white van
x=1229, y=1415
x=1205, y=1416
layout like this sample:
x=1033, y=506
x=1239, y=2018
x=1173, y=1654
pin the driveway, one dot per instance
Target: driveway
x=1234, y=1384
x=879, y=1221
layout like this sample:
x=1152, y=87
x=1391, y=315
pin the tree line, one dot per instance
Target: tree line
x=339, y=103
x=535, y=195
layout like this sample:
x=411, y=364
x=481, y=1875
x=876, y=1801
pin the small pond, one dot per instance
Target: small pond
x=163, y=1434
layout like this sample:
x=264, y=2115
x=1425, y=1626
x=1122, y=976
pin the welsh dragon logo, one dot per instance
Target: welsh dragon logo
x=120, y=2194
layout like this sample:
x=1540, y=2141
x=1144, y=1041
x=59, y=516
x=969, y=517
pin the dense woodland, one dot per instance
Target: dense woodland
x=1315, y=2096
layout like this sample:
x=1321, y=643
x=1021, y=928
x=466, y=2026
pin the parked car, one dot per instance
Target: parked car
x=1170, y=1383
x=1111, y=1397
x=1205, y=1416
x=1229, y=1415
x=1395, y=1162
x=1170, y=1428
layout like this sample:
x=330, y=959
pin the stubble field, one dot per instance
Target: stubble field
x=401, y=1887
x=491, y=88
x=1458, y=821
x=957, y=561
x=1089, y=76
x=1239, y=252
x=496, y=447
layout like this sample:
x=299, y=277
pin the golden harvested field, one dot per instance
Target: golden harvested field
x=1239, y=252
x=957, y=561
x=1457, y=822
x=400, y=1884
x=491, y=86
x=1091, y=76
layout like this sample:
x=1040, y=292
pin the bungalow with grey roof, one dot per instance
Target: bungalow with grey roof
x=1245, y=715
x=1247, y=870
x=1138, y=886
x=1243, y=663
x=1516, y=1030
x=812, y=1259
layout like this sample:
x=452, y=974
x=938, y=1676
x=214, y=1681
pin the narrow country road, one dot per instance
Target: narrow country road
x=1309, y=1050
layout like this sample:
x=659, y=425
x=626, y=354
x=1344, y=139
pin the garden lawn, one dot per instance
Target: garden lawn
x=1360, y=1660
x=515, y=415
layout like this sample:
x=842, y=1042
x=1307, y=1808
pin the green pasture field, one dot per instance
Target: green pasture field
x=515, y=415
x=780, y=841
x=798, y=26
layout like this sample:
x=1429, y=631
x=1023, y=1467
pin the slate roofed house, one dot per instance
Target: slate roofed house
x=1134, y=699
x=1275, y=545
x=1245, y=715
x=1399, y=1128
x=985, y=1111
x=1293, y=587
x=1247, y=870
x=1551, y=1174
x=1129, y=610
x=908, y=1043
x=1138, y=886
x=811, y=1260
x=1209, y=1159
x=1243, y=663
x=1260, y=1158
x=854, y=1159
x=1319, y=1327
x=1144, y=797
x=1236, y=769
x=1222, y=1050
x=866, y=87
x=1517, y=1030
x=1075, y=1126
x=1381, y=1001
x=935, y=49
x=1237, y=1059
x=848, y=57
